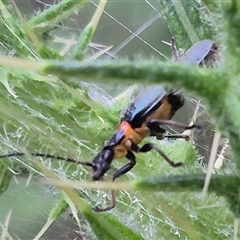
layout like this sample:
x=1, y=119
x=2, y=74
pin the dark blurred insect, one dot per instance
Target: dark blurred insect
x=202, y=53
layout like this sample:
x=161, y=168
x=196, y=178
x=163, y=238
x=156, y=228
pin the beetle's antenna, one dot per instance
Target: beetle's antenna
x=43, y=155
x=174, y=50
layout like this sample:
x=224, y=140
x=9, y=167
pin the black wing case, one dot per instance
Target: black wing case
x=147, y=102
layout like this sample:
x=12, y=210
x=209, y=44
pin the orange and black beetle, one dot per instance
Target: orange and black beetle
x=143, y=117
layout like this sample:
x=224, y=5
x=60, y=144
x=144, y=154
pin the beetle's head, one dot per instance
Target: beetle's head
x=101, y=163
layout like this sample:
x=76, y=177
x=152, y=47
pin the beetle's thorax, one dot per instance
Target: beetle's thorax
x=131, y=136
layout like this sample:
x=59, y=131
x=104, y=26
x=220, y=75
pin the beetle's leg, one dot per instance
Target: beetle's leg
x=174, y=48
x=126, y=168
x=175, y=136
x=157, y=132
x=154, y=124
x=149, y=146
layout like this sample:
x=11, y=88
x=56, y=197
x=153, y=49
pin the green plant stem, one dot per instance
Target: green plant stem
x=208, y=83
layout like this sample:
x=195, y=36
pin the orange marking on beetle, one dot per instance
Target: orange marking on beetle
x=126, y=127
